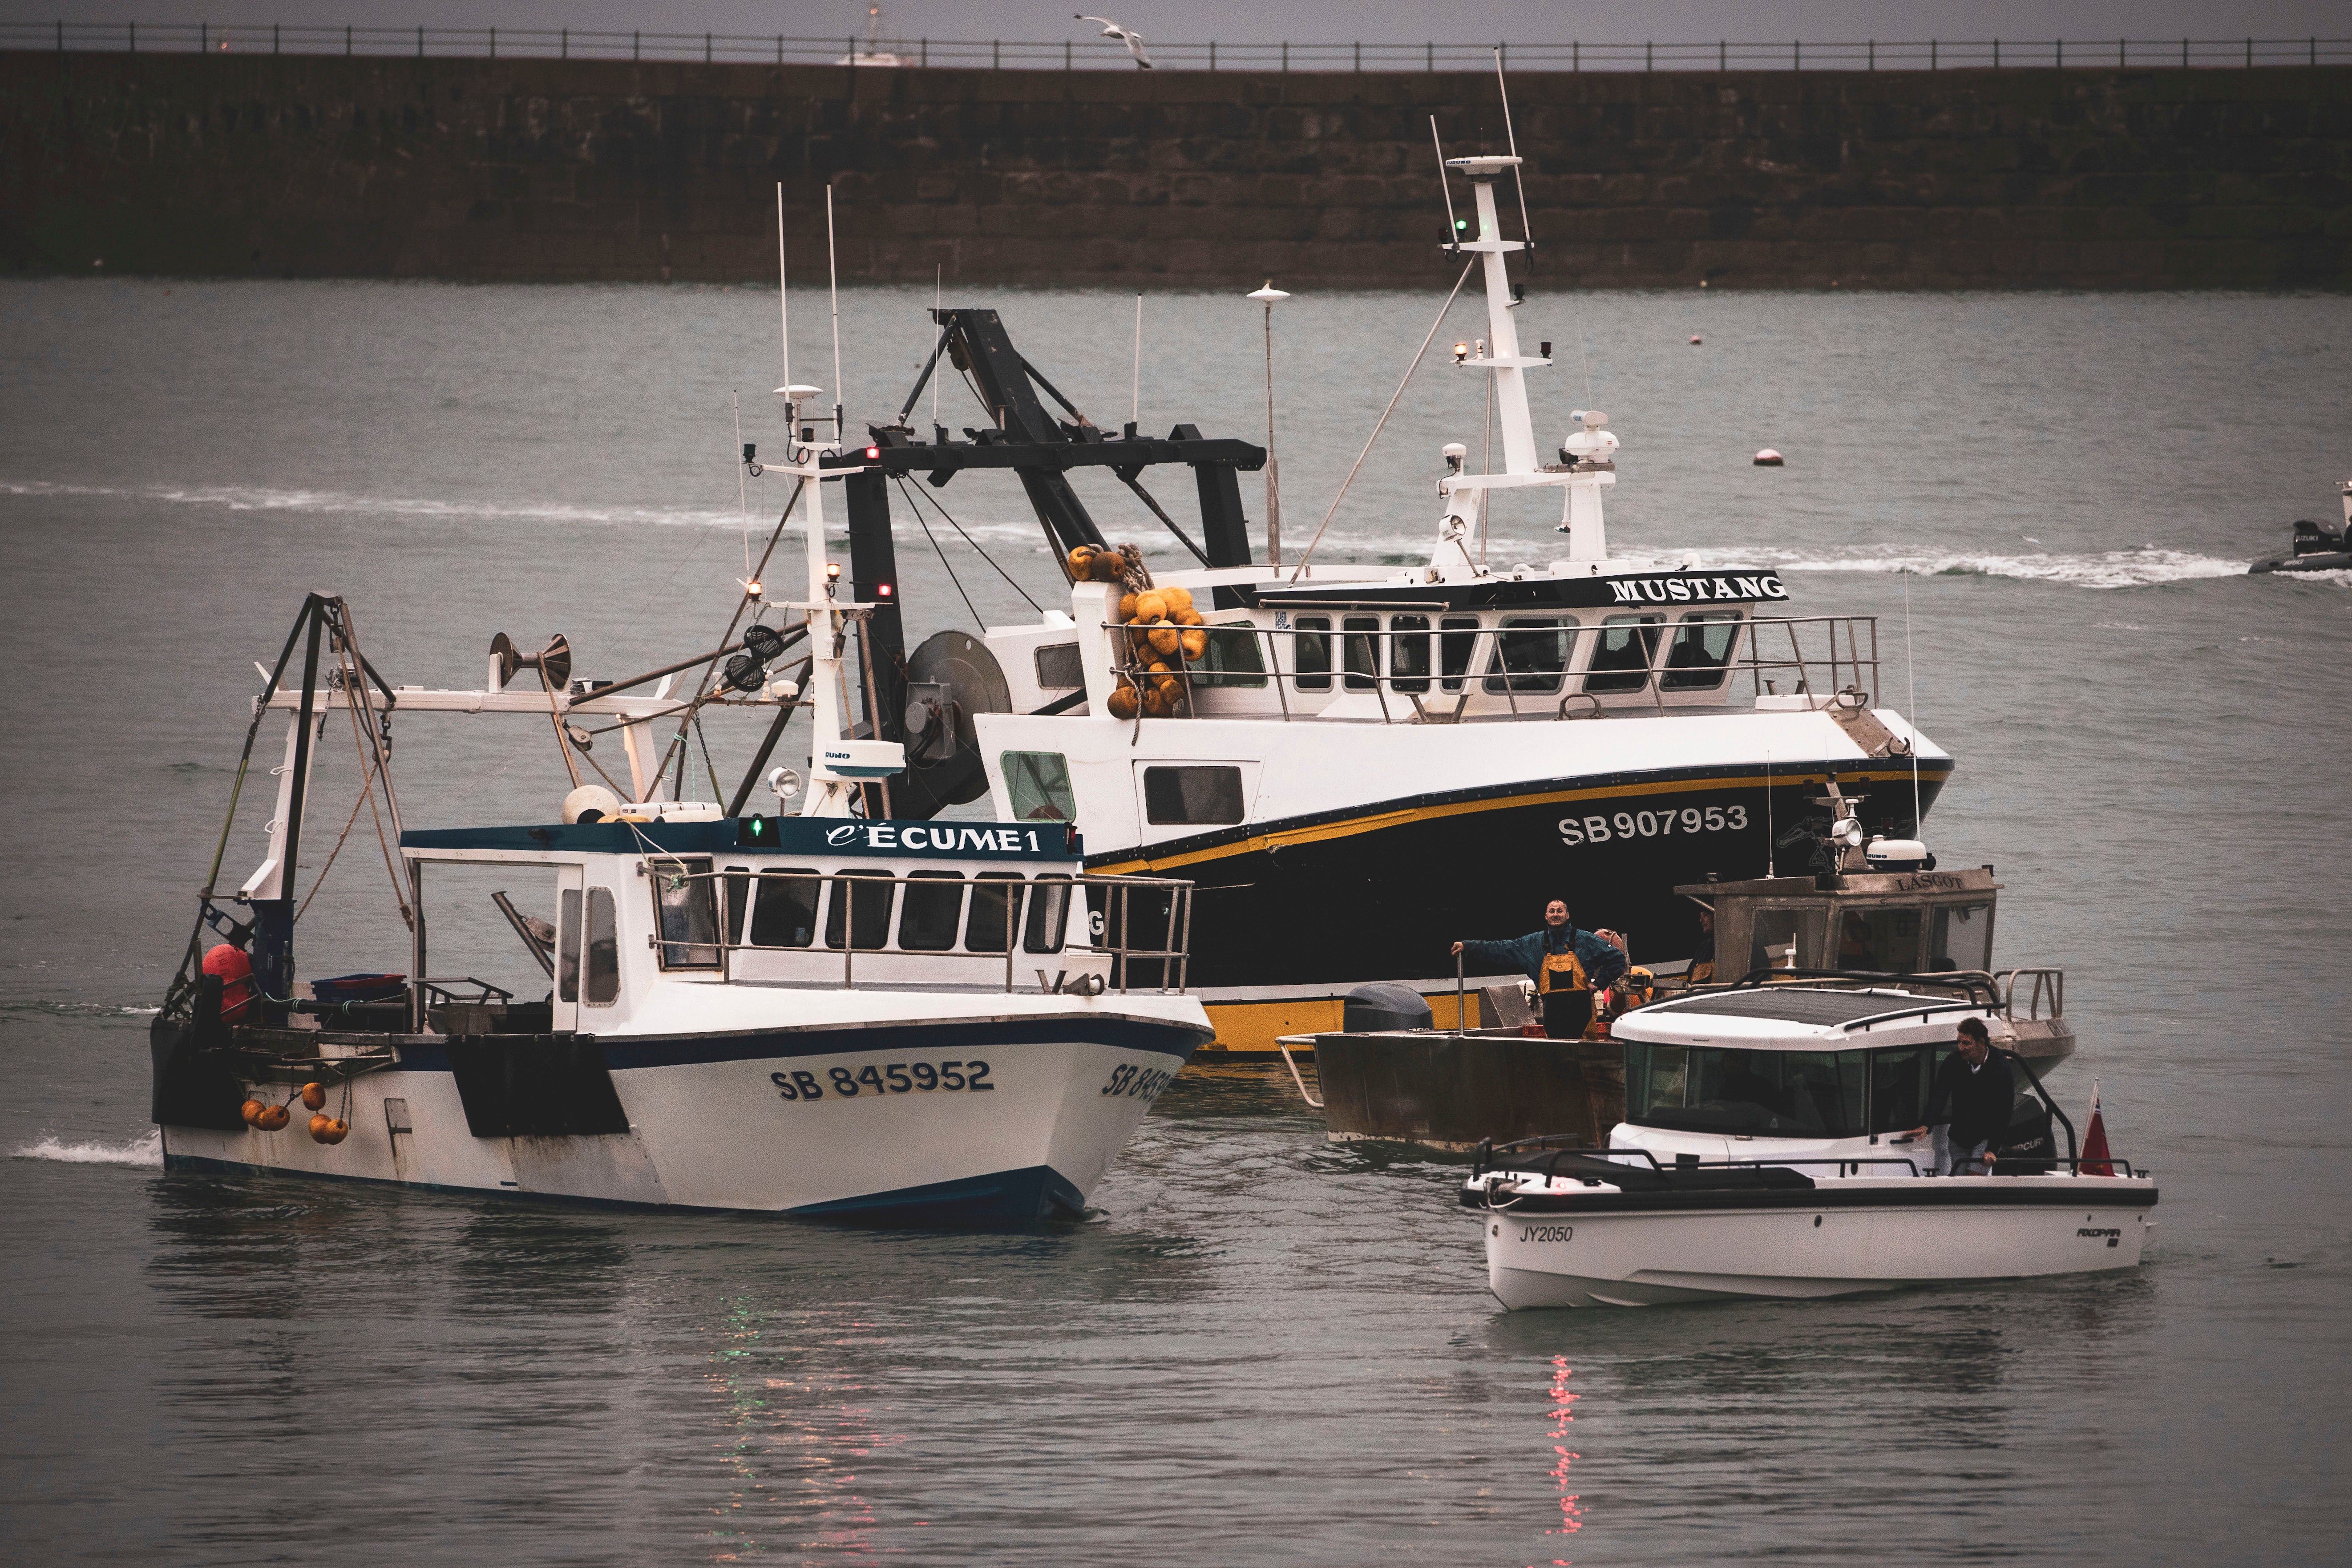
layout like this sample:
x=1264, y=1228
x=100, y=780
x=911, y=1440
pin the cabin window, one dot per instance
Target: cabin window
x=1457, y=645
x=567, y=945
x=1899, y=1083
x=1787, y=939
x=1409, y=653
x=1886, y=940
x=1961, y=939
x=1195, y=796
x=996, y=911
x=1311, y=655
x=1059, y=665
x=1699, y=657
x=686, y=908
x=604, y=949
x=861, y=901
x=785, y=913
x=932, y=911
x=1622, y=653
x=1535, y=654
x=1039, y=783
x=739, y=899
x=1751, y=1093
x=1362, y=653
x=1232, y=658
x=1049, y=915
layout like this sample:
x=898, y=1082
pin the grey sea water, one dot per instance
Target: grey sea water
x=1261, y=1349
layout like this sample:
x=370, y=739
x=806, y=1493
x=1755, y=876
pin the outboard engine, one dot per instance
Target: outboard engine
x=2025, y=1148
x=1382, y=1006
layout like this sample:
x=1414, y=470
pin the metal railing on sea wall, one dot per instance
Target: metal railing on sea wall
x=1093, y=53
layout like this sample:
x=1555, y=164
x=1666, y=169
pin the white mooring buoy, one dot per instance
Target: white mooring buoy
x=1767, y=458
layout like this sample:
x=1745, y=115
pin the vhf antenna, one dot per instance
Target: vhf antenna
x=783, y=305
x=833, y=272
x=1518, y=170
x=1452, y=225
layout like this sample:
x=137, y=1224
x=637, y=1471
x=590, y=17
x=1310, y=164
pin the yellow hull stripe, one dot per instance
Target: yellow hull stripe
x=1352, y=827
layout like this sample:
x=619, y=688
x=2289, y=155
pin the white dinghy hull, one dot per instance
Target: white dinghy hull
x=1844, y=1238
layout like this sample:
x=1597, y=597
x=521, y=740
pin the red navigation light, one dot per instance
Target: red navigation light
x=882, y=591
x=872, y=453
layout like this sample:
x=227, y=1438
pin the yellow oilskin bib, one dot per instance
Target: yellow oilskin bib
x=1561, y=972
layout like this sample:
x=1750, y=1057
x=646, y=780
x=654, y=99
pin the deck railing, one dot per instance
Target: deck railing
x=1826, y=656
x=1087, y=51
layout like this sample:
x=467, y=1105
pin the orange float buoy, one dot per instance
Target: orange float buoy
x=251, y=1111
x=314, y=1096
x=1195, y=643
x=1767, y=458
x=1179, y=601
x=1151, y=606
x=318, y=1127
x=272, y=1117
x=337, y=1130
x=1164, y=639
x=1106, y=567
x=1124, y=702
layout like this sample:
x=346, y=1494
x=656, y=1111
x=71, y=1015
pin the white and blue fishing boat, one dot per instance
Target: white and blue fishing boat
x=819, y=1014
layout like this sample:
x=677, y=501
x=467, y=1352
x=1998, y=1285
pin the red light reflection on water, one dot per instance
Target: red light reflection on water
x=1571, y=1510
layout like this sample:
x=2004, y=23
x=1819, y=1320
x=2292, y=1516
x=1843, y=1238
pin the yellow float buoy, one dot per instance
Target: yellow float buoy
x=314, y=1096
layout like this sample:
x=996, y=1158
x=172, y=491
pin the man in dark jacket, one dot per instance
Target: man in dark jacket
x=1973, y=1090
x=1566, y=965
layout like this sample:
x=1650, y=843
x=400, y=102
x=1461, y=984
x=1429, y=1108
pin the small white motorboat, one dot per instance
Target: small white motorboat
x=1765, y=1153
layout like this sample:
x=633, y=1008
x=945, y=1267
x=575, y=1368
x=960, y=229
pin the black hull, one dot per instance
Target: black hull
x=1383, y=894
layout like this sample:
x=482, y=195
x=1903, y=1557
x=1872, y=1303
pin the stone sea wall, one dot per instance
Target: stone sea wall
x=547, y=170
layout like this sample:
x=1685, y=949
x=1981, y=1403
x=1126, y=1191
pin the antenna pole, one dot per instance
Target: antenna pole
x=1273, y=472
x=938, y=298
x=832, y=271
x=742, y=486
x=1911, y=702
x=1135, y=406
x=1519, y=170
x=1441, y=184
x=784, y=307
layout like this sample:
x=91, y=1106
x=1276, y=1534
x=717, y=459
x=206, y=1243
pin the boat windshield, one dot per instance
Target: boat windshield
x=1779, y=1094
x=1769, y=1094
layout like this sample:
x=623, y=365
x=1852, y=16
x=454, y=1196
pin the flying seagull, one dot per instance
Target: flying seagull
x=1128, y=36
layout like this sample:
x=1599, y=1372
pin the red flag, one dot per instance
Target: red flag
x=2095, y=1142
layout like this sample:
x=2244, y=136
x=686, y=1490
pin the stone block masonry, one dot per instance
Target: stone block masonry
x=547, y=170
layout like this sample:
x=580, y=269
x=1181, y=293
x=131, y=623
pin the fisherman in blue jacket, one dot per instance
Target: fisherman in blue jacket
x=1566, y=965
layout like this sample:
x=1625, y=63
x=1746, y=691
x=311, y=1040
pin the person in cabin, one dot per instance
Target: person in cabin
x=1566, y=965
x=1974, y=1094
x=1702, y=958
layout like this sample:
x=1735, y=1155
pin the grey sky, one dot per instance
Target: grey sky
x=1393, y=21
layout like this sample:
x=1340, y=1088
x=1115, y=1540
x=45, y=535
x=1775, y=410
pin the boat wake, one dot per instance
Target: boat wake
x=144, y=1150
x=2145, y=567
x=247, y=497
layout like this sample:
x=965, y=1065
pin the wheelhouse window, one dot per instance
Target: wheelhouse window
x=1206, y=796
x=1899, y=1084
x=1622, y=653
x=686, y=906
x=1787, y=938
x=1535, y=654
x=1231, y=659
x=567, y=945
x=1884, y=939
x=1311, y=655
x=1700, y=657
x=1039, y=783
x=1960, y=938
x=785, y=914
x=1059, y=665
x=1457, y=647
x=1362, y=651
x=738, y=903
x=1049, y=915
x=1409, y=653
x=604, y=950
x=996, y=911
x=861, y=905
x=931, y=910
x=1749, y=1093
